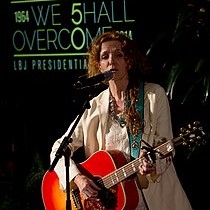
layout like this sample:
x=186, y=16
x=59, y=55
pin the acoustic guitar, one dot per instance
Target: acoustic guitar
x=116, y=176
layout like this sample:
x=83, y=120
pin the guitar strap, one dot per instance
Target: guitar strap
x=135, y=142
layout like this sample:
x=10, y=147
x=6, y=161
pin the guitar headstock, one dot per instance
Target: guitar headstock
x=192, y=136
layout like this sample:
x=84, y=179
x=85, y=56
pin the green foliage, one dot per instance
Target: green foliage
x=187, y=53
x=33, y=184
x=34, y=179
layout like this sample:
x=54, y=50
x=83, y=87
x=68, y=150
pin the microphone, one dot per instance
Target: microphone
x=91, y=81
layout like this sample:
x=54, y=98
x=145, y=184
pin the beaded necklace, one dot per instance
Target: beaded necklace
x=135, y=135
x=119, y=118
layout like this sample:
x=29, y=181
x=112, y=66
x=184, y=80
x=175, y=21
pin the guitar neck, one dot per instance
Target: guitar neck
x=132, y=167
x=192, y=136
x=122, y=173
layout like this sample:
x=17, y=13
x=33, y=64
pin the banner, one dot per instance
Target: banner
x=53, y=35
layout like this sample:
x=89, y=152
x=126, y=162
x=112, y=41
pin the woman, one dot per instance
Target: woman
x=117, y=121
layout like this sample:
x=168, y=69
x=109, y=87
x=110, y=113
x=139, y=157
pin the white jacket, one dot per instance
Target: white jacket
x=167, y=193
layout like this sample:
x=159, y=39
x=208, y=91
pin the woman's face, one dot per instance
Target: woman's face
x=112, y=57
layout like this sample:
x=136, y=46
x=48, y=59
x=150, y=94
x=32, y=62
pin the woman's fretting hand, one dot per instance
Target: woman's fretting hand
x=146, y=166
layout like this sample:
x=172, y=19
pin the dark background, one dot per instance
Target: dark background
x=36, y=108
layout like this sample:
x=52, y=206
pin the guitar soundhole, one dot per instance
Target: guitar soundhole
x=108, y=198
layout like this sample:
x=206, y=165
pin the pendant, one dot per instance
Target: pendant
x=122, y=124
x=121, y=121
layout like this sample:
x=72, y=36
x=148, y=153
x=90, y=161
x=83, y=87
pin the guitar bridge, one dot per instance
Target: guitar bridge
x=75, y=195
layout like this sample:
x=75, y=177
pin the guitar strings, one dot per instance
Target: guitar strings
x=121, y=173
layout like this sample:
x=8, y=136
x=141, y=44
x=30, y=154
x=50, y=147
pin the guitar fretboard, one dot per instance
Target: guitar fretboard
x=132, y=167
x=122, y=173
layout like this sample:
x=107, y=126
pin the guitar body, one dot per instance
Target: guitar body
x=98, y=166
x=53, y=197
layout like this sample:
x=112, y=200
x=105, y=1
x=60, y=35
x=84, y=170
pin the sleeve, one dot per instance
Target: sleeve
x=163, y=116
x=163, y=130
x=60, y=169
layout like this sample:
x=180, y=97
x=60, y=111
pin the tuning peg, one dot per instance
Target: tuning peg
x=183, y=130
x=189, y=126
x=196, y=123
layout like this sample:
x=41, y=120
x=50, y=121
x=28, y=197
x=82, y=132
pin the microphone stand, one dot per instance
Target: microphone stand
x=64, y=149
